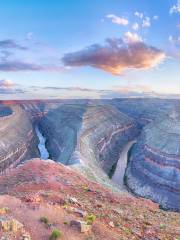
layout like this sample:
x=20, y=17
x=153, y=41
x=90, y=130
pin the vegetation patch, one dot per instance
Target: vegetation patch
x=56, y=234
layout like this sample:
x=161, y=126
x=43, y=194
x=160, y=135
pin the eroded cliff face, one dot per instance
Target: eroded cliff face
x=17, y=138
x=89, y=137
x=154, y=165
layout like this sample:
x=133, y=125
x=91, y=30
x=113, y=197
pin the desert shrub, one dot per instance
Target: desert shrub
x=56, y=234
x=44, y=220
x=90, y=219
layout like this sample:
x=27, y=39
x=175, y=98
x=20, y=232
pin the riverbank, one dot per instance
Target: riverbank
x=118, y=176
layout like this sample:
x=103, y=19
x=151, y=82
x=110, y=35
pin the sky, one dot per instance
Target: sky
x=89, y=49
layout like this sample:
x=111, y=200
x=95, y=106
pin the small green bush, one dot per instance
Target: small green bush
x=44, y=220
x=90, y=219
x=162, y=226
x=56, y=234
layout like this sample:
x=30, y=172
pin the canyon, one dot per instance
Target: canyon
x=18, y=141
x=94, y=138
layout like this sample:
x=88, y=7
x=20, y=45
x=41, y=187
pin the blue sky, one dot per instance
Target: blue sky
x=63, y=44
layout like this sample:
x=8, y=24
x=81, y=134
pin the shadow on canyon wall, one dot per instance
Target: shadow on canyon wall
x=60, y=126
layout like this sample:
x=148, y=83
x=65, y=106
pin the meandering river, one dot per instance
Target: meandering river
x=44, y=154
x=118, y=176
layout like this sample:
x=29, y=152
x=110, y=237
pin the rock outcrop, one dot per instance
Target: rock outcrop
x=154, y=164
x=17, y=138
x=40, y=189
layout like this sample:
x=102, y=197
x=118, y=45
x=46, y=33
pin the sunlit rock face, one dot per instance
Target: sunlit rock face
x=89, y=136
x=154, y=165
x=17, y=138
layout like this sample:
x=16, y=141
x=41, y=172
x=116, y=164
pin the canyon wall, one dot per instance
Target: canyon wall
x=17, y=138
x=89, y=137
x=154, y=163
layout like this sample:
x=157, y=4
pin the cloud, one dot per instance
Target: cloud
x=175, y=8
x=9, y=43
x=6, y=91
x=29, y=35
x=174, y=48
x=130, y=37
x=174, y=40
x=6, y=83
x=118, y=20
x=146, y=22
x=7, y=87
x=69, y=89
x=133, y=88
x=116, y=56
x=139, y=14
x=155, y=17
x=9, y=63
x=135, y=26
x=16, y=66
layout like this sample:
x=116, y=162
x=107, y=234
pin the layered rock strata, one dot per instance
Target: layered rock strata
x=154, y=164
x=90, y=136
x=17, y=139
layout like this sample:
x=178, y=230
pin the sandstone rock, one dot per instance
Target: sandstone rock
x=7, y=224
x=73, y=200
x=4, y=210
x=111, y=224
x=80, y=212
x=26, y=236
x=82, y=226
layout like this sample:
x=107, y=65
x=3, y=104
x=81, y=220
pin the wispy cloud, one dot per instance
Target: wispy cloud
x=69, y=89
x=139, y=14
x=16, y=66
x=6, y=83
x=174, y=48
x=130, y=37
x=135, y=26
x=7, y=87
x=115, y=56
x=175, y=8
x=146, y=22
x=9, y=62
x=118, y=20
x=9, y=43
x=155, y=17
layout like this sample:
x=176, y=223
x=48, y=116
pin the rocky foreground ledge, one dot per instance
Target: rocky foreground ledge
x=41, y=199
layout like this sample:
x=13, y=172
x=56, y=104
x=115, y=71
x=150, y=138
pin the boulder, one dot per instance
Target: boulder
x=111, y=224
x=4, y=210
x=26, y=236
x=78, y=211
x=82, y=226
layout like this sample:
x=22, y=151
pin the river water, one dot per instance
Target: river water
x=118, y=176
x=44, y=154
